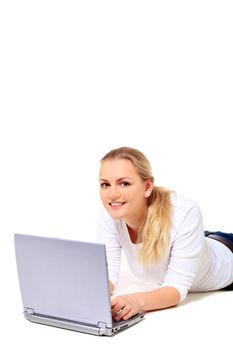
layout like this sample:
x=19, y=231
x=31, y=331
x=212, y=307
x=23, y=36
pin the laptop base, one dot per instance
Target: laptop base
x=70, y=325
x=78, y=327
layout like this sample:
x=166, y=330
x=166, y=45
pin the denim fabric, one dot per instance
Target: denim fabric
x=227, y=236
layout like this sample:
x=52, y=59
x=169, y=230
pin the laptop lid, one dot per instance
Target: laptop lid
x=64, y=279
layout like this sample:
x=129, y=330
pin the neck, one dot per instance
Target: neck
x=133, y=234
x=135, y=227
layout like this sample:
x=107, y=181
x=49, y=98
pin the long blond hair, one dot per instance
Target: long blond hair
x=155, y=229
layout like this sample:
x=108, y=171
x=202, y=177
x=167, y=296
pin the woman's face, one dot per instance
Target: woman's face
x=122, y=191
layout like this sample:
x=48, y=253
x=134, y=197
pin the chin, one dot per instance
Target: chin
x=115, y=214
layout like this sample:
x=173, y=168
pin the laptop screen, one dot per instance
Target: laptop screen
x=63, y=278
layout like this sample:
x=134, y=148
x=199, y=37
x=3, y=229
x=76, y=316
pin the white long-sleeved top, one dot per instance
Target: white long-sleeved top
x=193, y=262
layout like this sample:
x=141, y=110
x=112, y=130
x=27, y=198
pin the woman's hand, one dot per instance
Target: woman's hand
x=128, y=305
x=125, y=306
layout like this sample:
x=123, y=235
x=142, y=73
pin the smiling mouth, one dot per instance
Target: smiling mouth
x=116, y=204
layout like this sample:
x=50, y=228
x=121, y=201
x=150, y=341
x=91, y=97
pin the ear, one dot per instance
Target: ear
x=149, y=187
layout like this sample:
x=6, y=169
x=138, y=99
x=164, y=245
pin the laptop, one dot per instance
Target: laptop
x=65, y=284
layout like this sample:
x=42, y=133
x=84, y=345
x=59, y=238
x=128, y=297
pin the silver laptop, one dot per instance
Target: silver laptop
x=65, y=284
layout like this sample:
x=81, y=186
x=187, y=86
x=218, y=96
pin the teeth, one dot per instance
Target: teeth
x=116, y=204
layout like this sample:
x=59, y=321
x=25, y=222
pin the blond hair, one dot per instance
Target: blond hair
x=155, y=229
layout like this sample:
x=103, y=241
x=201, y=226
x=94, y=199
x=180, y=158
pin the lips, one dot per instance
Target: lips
x=116, y=204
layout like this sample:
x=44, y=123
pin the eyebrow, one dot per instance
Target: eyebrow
x=118, y=180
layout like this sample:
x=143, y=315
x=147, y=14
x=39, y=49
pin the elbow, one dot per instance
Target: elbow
x=177, y=297
x=172, y=295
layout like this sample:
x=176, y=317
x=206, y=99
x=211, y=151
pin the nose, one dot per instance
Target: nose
x=113, y=193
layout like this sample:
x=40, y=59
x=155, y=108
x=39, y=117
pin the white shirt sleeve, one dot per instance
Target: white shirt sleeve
x=108, y=236
x=186, y=249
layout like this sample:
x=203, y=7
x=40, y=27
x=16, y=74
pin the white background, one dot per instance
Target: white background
x=78, y=78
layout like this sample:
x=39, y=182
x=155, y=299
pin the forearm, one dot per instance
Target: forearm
x=111, y=287
x=125, y=306
x=160, y=298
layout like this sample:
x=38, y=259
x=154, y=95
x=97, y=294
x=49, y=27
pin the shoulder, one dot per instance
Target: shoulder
x=184, y=208
x=181, y=201
x=183, y=204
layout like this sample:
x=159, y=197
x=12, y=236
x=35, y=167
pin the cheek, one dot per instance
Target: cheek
x=103, y=196
x=137, y=194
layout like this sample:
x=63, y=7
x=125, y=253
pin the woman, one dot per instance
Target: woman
x=162, y=235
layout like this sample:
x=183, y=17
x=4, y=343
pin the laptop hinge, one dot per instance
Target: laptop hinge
x=102, y=327
x=28, y=311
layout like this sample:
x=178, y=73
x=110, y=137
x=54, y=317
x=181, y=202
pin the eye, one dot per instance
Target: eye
x=125, y=184
x=104, y=185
